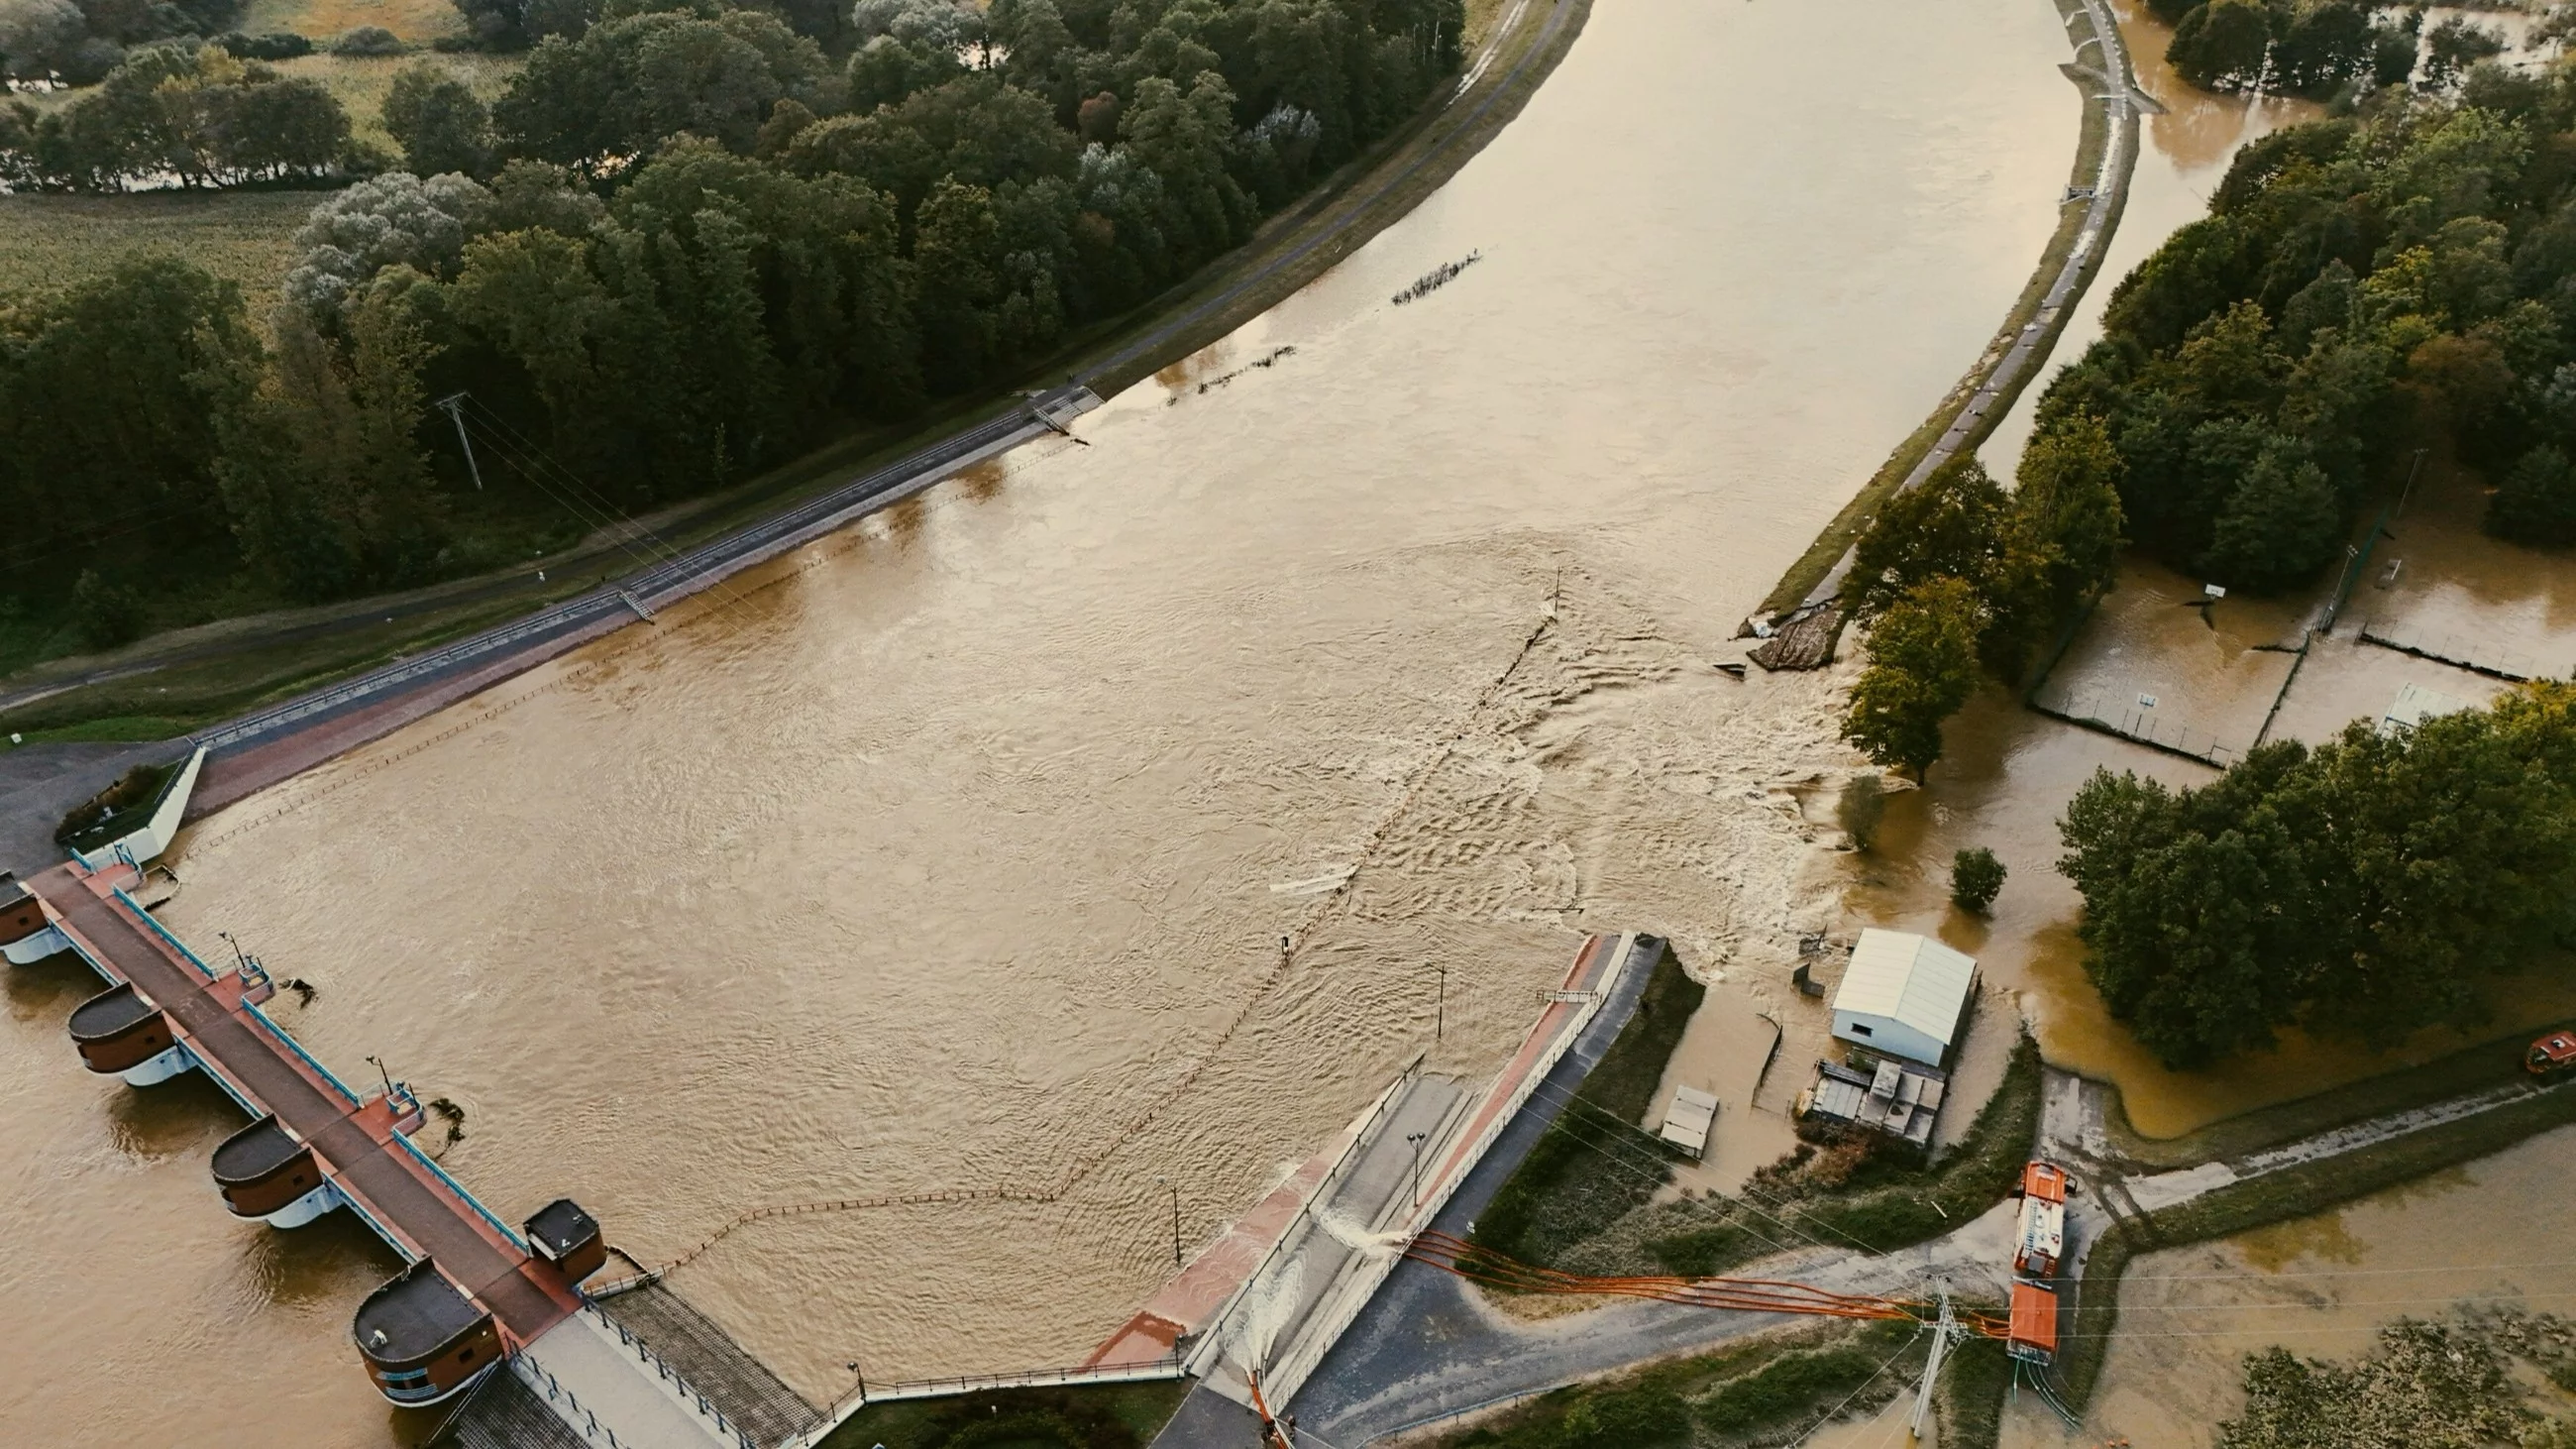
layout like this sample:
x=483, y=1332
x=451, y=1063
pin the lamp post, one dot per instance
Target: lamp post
x=379, y=1064
x=1416, y=1139
x=1440, y=1007
x=227, y=938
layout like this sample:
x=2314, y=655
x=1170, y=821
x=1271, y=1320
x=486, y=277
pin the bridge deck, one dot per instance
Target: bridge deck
x=407, y=1200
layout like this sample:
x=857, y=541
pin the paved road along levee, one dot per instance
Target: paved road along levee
x=258, y=749
x=2038, y=337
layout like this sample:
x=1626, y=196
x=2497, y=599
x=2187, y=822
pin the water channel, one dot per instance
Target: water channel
x=954, y=852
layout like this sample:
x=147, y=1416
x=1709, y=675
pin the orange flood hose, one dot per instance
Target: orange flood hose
x=1750, y=1295
x=1271, y=1433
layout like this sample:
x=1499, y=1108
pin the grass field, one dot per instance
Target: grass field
x=361, y=81
x=1114, y=1416
x=418, y=21
x=50, y=241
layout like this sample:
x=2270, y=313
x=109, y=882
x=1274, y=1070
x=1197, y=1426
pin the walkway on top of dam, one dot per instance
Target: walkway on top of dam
x=602, y=1382
x=409, y=1202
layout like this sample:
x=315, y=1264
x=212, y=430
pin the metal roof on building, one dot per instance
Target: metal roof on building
x=1908, y=978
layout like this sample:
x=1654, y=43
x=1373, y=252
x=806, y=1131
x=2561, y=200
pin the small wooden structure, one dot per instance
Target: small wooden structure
x=1687, y=1120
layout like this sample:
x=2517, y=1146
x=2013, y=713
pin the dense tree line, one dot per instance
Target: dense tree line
x=675, y=251
x=2397, y=278
x=189, y=114
x=2360, y=890
x=1956, y=575
x=80, y=41
x=2312, y=48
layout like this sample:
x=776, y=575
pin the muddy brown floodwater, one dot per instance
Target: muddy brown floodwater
x=2149, y=663
x=2499, y=1233
x=954, y=852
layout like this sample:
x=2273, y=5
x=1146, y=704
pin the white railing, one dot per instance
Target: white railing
x=696, y=1402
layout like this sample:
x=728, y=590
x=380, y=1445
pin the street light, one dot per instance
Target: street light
x=1440, y=1008
x=379, y=1064
x=227, y=938
x=1416, y=1139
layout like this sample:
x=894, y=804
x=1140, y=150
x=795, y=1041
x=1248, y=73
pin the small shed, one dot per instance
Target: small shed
x=1904, y=996
x=1688, y=1119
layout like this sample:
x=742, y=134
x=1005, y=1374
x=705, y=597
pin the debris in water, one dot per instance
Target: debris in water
x=1731, y=671
x=453, y=1116
x=1276, y=353
x=1437, y=278
x=304, y=990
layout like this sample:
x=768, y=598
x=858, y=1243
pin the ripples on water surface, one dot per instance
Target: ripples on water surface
x=954, y=851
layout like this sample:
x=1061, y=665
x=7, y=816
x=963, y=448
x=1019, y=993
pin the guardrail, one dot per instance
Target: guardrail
x=1212, y=1343
x=458, y=1188
x=1290, y=1375
x=163, y=932
x=663, y=1370
x=291, y=1044
x=536, y=1377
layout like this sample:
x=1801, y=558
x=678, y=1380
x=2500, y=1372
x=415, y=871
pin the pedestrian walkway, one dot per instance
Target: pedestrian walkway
x=590, y=1379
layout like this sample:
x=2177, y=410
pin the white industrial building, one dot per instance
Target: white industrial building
x=1904, y=996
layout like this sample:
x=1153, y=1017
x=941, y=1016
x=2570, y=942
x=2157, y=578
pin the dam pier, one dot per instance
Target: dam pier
x=475, y=1294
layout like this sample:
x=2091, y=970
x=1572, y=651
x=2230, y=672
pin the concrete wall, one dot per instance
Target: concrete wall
x=147, y=843
x=1887, y=1034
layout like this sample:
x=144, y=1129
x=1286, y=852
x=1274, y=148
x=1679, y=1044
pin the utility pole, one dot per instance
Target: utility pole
x=454, y=406
x=2411, y=470
x=1944, y=1333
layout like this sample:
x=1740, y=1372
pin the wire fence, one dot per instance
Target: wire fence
x=2478, y=656
x=2116, y=711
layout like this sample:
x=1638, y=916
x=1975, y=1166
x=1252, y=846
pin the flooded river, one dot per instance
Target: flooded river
x=955, y=852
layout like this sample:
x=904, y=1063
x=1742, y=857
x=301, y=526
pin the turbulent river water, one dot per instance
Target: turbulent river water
x=955, y=851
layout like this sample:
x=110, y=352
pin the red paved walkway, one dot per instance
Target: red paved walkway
x=430, y=1218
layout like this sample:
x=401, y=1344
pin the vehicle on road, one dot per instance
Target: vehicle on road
x=2552, y=1054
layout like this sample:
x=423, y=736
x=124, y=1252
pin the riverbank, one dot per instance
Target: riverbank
x=2105, y=154
x=190, y=678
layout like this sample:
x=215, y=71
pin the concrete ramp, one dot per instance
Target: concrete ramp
x=1408, y=1157
x=614, y=1392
